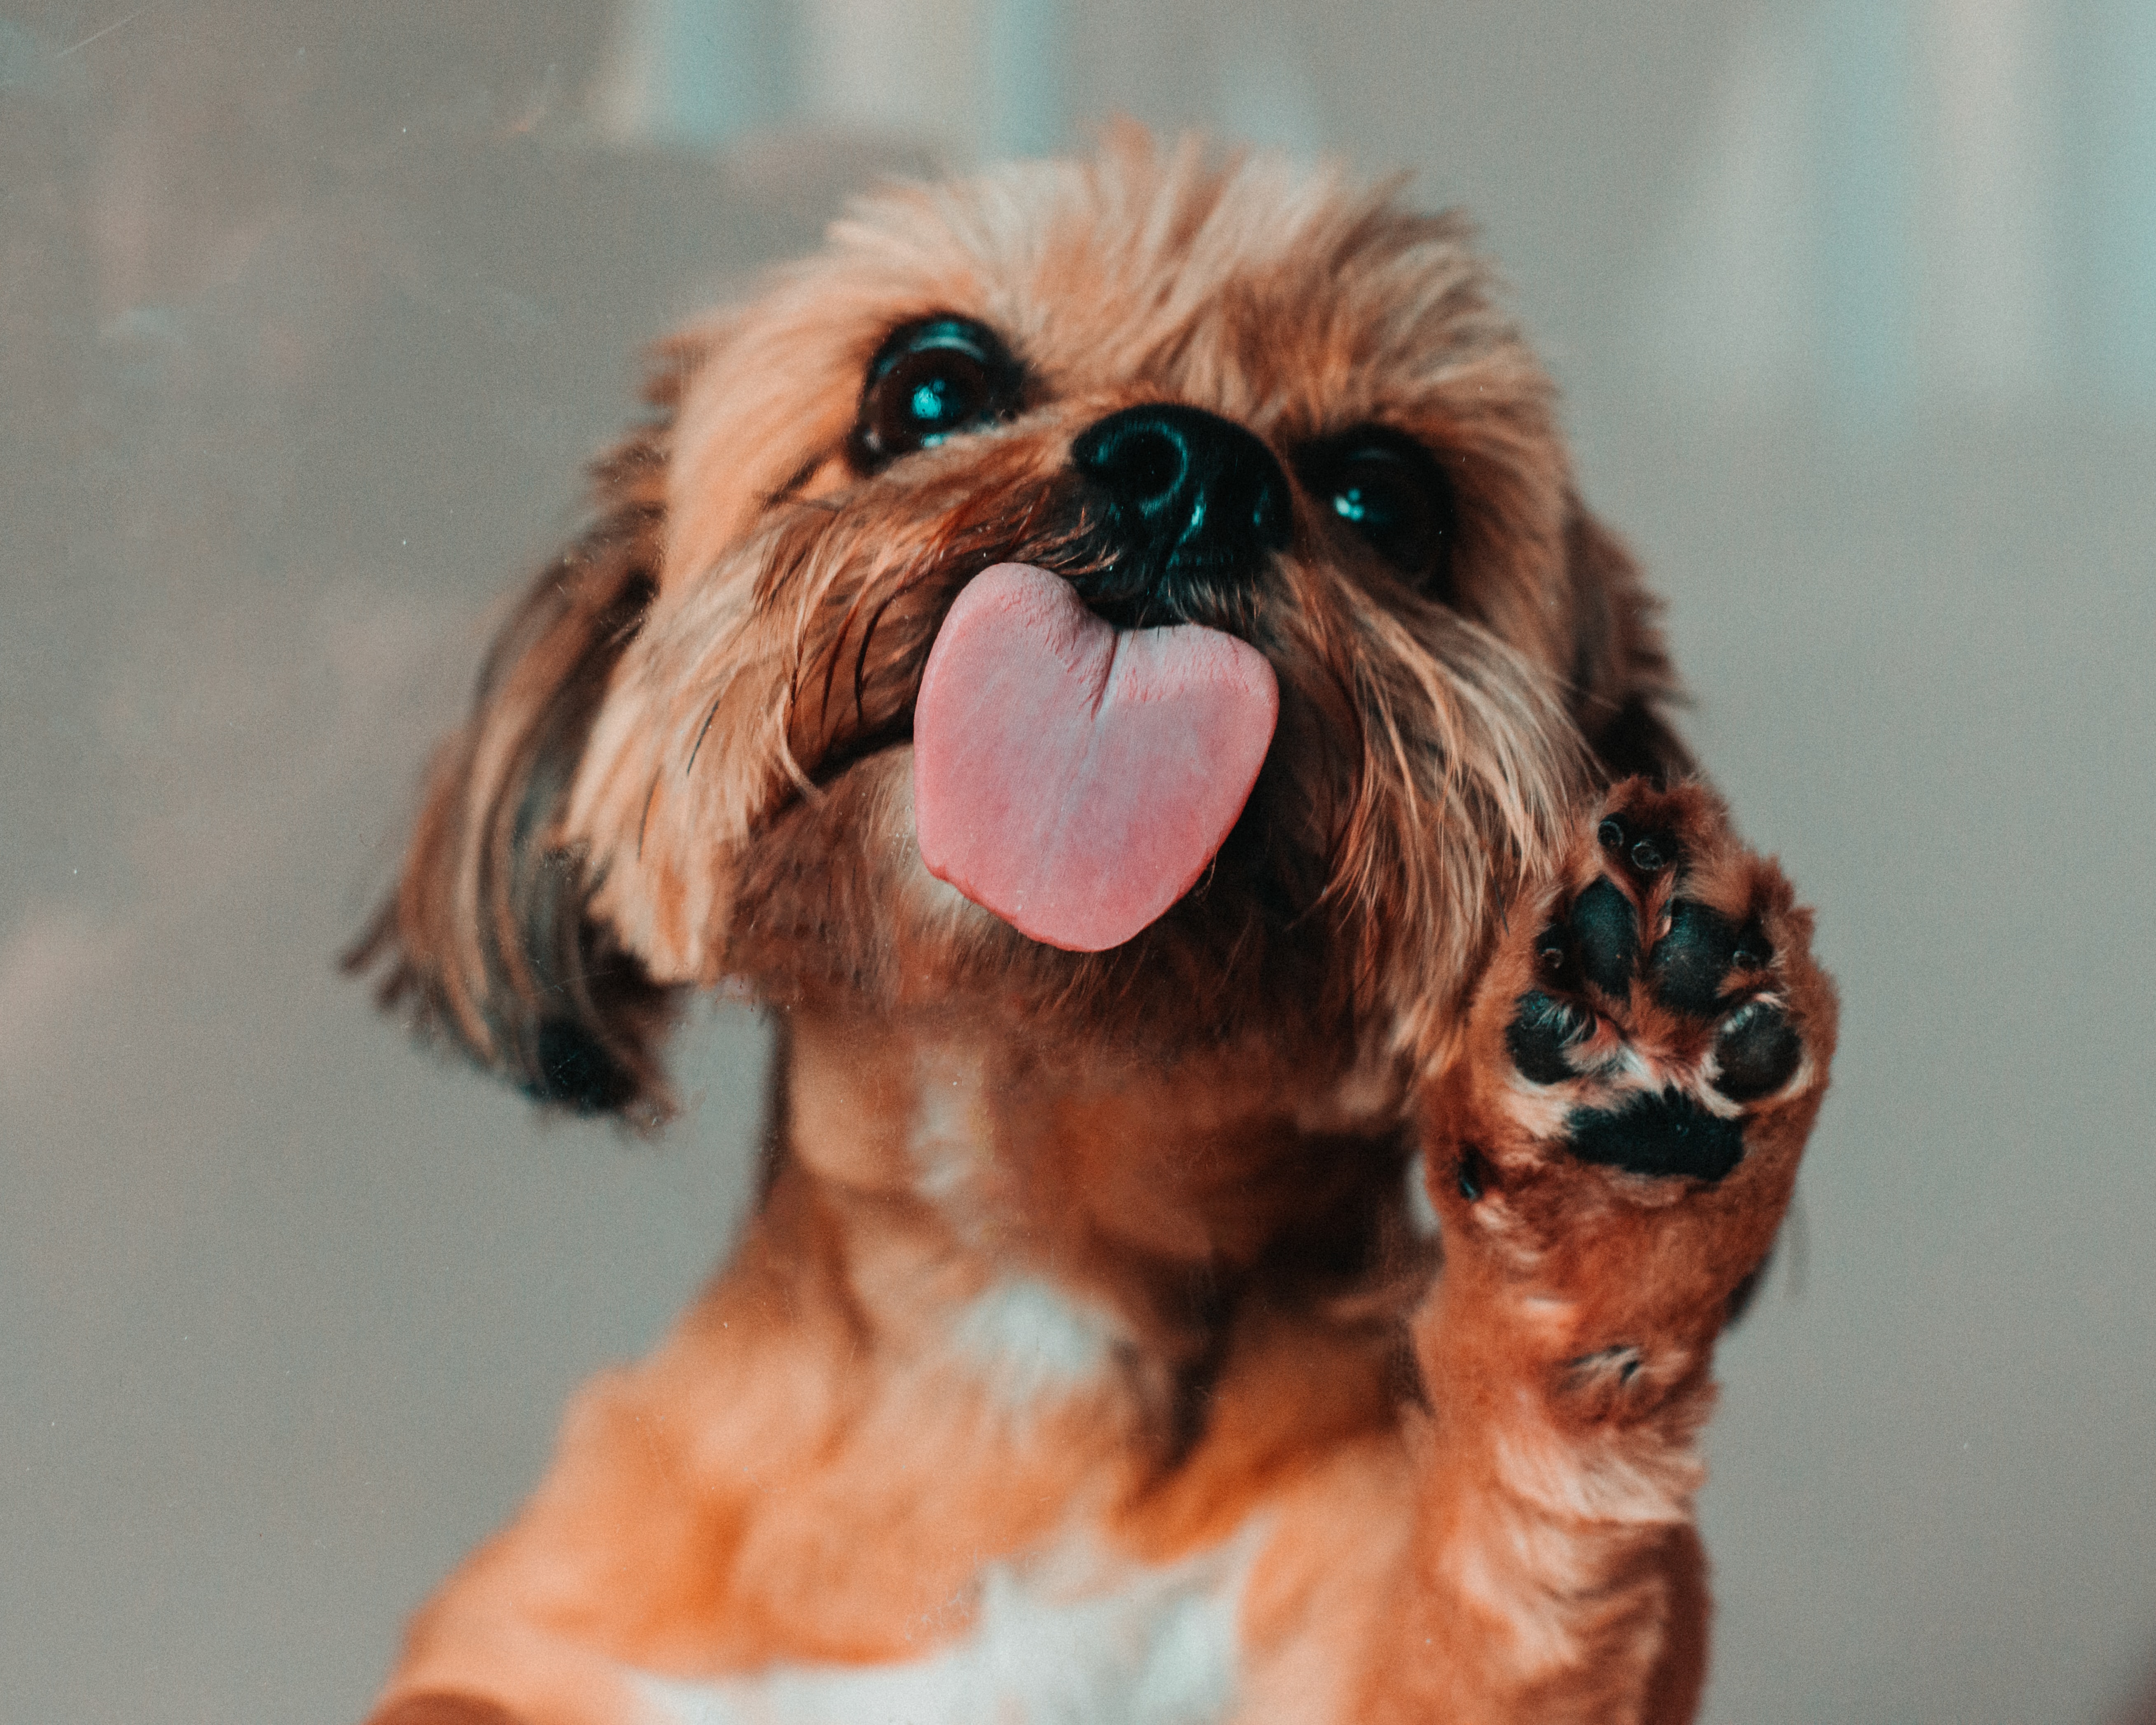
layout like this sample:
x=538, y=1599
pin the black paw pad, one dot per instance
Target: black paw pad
x=1702, y=947
x=1757, y=1051
x=1540, y=1031
x=1661, y=1135
x=1605, y=932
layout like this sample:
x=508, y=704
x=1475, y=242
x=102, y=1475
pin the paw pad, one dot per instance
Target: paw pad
x=1663, y=1135
x=1605, y=936
x=1692, y=960
x=1757, y=1052
x=1542, y=1030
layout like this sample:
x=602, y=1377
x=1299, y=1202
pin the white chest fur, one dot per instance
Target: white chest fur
x=1068, y=1639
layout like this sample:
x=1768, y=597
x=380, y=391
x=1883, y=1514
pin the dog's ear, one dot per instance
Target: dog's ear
x=1622, y=683
x=487, y=943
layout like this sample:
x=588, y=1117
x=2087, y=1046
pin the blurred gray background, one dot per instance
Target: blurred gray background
x=308, y=313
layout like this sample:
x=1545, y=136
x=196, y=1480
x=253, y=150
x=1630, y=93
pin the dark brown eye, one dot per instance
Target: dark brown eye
x=1389, y=490
x=931, y=381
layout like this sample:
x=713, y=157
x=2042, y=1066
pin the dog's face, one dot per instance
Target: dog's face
x=1236, y=398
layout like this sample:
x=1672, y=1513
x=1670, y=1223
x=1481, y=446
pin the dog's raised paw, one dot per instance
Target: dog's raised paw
x=1645, y=1053
x=1661, y=1009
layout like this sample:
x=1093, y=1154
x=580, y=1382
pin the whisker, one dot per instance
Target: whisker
x=704, y=730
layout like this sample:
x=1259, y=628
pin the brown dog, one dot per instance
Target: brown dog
x=1088, y=1357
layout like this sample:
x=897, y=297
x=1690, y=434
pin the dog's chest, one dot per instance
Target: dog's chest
x=1069, y=1638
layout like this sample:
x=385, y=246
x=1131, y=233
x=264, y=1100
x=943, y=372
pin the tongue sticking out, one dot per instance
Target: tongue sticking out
x=1073, y=778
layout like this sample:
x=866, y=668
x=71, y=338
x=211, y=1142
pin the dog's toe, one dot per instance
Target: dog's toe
x=1757, y=1052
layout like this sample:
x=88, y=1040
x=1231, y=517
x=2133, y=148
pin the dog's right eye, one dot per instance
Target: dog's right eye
x=930, y=381
x=1390, y=491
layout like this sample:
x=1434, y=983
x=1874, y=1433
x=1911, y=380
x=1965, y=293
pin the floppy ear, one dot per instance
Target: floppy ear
x=488, y=943
x=1622, y=683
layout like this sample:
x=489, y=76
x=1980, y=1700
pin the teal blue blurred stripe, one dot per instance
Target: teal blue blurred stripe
x=2120, y=164
x=712, y=70
x=1022, y=85
x=1866, y=155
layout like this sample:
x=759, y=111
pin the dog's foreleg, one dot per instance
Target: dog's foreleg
x=1553, y=1573
x=1609, y=1159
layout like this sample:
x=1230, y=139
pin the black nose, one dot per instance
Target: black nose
x=1189, y=495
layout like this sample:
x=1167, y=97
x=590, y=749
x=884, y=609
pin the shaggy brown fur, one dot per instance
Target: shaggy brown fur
x=1116, y=1252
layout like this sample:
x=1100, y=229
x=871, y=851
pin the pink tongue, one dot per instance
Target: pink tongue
x=1072, y=777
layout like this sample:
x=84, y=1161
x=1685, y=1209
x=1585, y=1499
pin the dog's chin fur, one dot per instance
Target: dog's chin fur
x=832, y=906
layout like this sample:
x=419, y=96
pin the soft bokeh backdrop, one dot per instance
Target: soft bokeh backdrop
x=309, y=312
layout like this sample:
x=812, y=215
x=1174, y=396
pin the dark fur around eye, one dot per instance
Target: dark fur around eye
x=1391, y=492
x=931, y=379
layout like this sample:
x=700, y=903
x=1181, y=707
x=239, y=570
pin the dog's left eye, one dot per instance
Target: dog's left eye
x=930, y=381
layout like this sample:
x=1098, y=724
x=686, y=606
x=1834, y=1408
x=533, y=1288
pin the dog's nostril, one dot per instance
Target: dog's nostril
x=1187, y=486
x=1147, y=467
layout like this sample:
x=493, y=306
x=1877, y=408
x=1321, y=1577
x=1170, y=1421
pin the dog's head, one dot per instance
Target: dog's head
x=1229, y=396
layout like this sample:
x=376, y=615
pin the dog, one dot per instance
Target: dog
x=1282, y=1070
